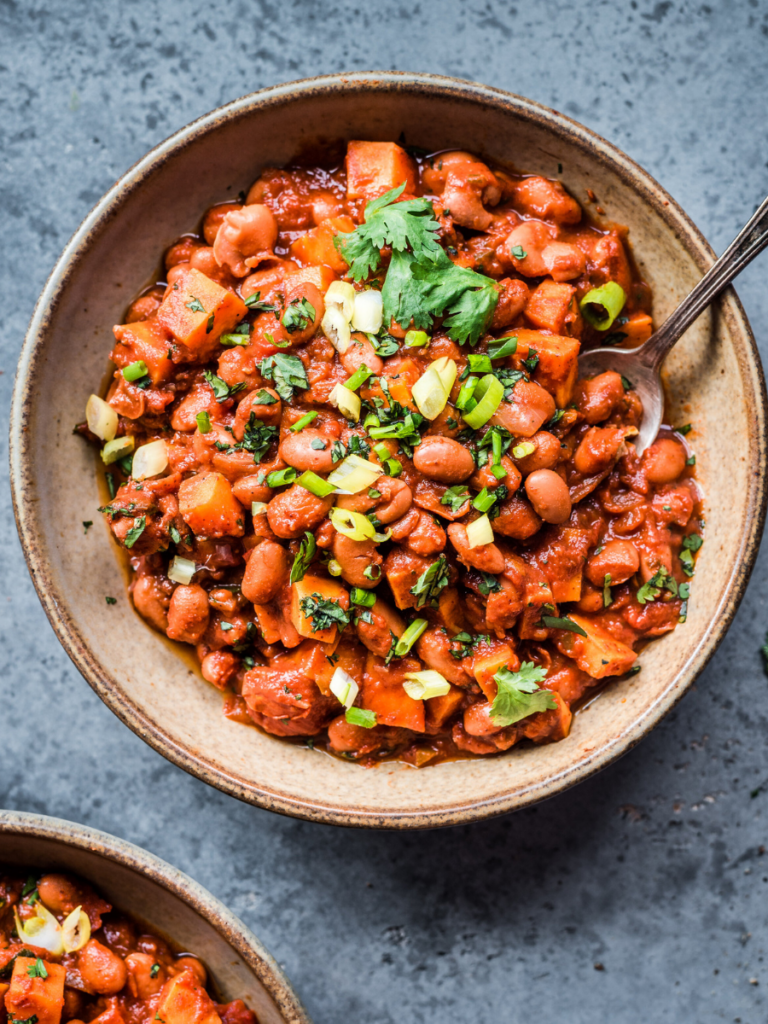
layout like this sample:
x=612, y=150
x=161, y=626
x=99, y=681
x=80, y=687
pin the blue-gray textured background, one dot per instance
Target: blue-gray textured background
x=639, y=896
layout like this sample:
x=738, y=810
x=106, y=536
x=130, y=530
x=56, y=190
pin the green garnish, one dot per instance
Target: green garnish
x=135, y=371
x=488, y=584
x=323, y=612
x=562, y=622
x=87, y=524
x=455, y=497
x=519, y=695
x=364, y=598
x=607, y=596
x=661, y=580
x=287, y=372
x=304, y=556
x=221, y=390
x=431, y=582
x=111, y=600
x=299, y=315
x=281, y=477
x=400, y=647
x=304, y=422
x=37, y=969
x=502, y=347
x=203, y=422
x=254, y=303
x=135, y=531
x=195, y=305
x=360, y=716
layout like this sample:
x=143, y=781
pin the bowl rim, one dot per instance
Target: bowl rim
x=316, y=809
x=190, y=892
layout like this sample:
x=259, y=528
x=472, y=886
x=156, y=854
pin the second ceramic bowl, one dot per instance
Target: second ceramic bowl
x=139, y=675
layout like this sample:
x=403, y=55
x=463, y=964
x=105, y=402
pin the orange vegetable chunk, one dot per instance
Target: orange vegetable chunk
x=183, y=1000
x=376, y=167
x=147, y=340
x=487, y=663
x=42, y=998
x=558, y=365
x=383, y=692
x=598, y=653
x=316, y=247
x=209, y=507
x=197, y=311
x=330, y=590
x=321, y=277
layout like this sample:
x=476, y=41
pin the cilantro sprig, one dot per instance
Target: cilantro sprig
x=323, y=612
x=287, y=372
x=519, y=695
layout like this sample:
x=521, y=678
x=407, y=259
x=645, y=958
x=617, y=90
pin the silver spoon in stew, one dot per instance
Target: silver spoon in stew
x=641, y=365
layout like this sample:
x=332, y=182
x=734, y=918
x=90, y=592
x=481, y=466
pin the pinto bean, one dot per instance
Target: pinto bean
x=58, y=893
x=291, y=513
x=360, y=351
x=199, y=399
x=303, y=451
x=151, y=602
x=143, y=307
x=215, y=217
x=444, y=460
x=377, y=634
x=244, y=233
x=142, y=982
x=434, y=649
x=478, y=721
x=467, y=185
x=485, y=478
x=268, y=412
x=268, y=278
x=549, y=495
x=265, y=573
x=563, y=261
x=618, y=559
x=597, y=397
x=547, y=453
x=346, y=738
x=664, y=461
x=102, y=971
x=248, y=489
x=354, y=557
x=532, y=237
x=396, y=499
x=516, y=519
x=486, y=557
x=597, y=450
x=302, y=294
x=530, y=408
x=219, y=668
x=191, y=963
x=547, y=199
x=188, y=613
x=513, y=298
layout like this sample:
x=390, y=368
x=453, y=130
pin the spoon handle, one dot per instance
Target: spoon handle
x=750, y=241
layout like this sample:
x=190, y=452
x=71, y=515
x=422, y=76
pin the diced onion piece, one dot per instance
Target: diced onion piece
x=42, y=930
x=354, y=474
x=445, y=368
x=523, y=449
x=426, y=684
x=75, y=930
x=354, y=525
x=341, y=296
x=429, y=394
x=101, y=418
x=150, y=460
x=610, y=297
x=344, y=687
x=488, y=394
x=368, y=314
x=257, y=507
x=480, y=532
x=181, y=570
x=335, y=327
x=346, y=401
x=116, y=449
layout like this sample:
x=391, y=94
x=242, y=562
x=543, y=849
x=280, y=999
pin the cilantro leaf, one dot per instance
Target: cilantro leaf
x=661, y=580
x=467, y=643
x=431, y=582
x=257, y=437
x=254, y=303
x=519, y=695
x=323, y=612
x=488, y=584
x=37, y=969
x=303, y=557
x=135, y=531
x=361, y=716
x=287, y=372
x=299, y=315
x=455, y=497
x=555, y=622
x=221, y=390
x=195, y=306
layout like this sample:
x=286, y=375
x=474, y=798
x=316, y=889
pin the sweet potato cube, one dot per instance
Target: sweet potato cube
x=316, y=247
x=450, y=608
x=383, y=692
x=402, y=570
x=328, y=590
x=558, y=364
x=41, y=998
x=209, y=507
x=437, y=710
x=197, y=310
x=147, y=340
x=638, y=329
x=597, y=653
x=549, y=305
x=376, y=167
x=183, y=1000
x=487, y=662
x=567, y=590
x=321, y=277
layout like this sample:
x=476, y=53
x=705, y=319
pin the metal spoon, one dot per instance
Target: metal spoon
x=641, y=365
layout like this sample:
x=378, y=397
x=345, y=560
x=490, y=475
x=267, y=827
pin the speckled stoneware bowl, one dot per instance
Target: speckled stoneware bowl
x=140, y=676
x=162, y=898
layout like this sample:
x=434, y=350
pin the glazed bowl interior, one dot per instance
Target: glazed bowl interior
x=164, y=900
x=141, y=676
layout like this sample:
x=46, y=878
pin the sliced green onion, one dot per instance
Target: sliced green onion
x=480, y=532
x=354, y=474
x=371, y=420
x=416, y=339
x=360, y=376
x=314, y=484
x=134, y=371
x=258, y=508
x=203, y=422
x=409, y=637
x=499, y=472
x=335, y=327
x=502, y=348
x=431, y=390
x=281, y=477
x=484, y=500
x=342, y=295
x=182, y=570
x=101, y=418
x=334, y=567
x=346, y=401
x=361, y=716
x=368, y=311
x=235, y=339
x=464, y=397
x=524, y=449
x=610, y=297
x=426, y=684
x=488, y=395
x=354, y=525
x=446, y=369
x=496, y=447
x=479, y=363
x=382, y=451
x=303, y=422
x=393, y=467
x=344, y=687
x=116, y=449
x=150, y=460
x=365, y=598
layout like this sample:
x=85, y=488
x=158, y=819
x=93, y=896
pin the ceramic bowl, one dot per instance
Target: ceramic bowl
x=164, y=899
x=111, y=257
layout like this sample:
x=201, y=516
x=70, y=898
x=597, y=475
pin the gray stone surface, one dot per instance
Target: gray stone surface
x=655, y=869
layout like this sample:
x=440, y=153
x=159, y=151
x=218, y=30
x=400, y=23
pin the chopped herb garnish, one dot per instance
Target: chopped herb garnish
x=221, y=390
x=111, y=600
x=154, y=970
x=685, y=429
x=87, y=524
x=361, y=716
x=323, y=612
x=488, y=584
x=195, y=305
x=519, y=252
x=519, y=695
x=467, y=643
x=135, y=531
x=502, y=348
x=607, y=597
x=37, y=969
x=431, y=582
x=303, y=558
x=455, y=497
x=299, y=315
x=29, y=886
x=556, y=622
x=287, y=372
x=661, y=580
x=254, y=303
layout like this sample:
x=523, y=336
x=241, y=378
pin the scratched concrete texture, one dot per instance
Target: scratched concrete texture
x=638, y=896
